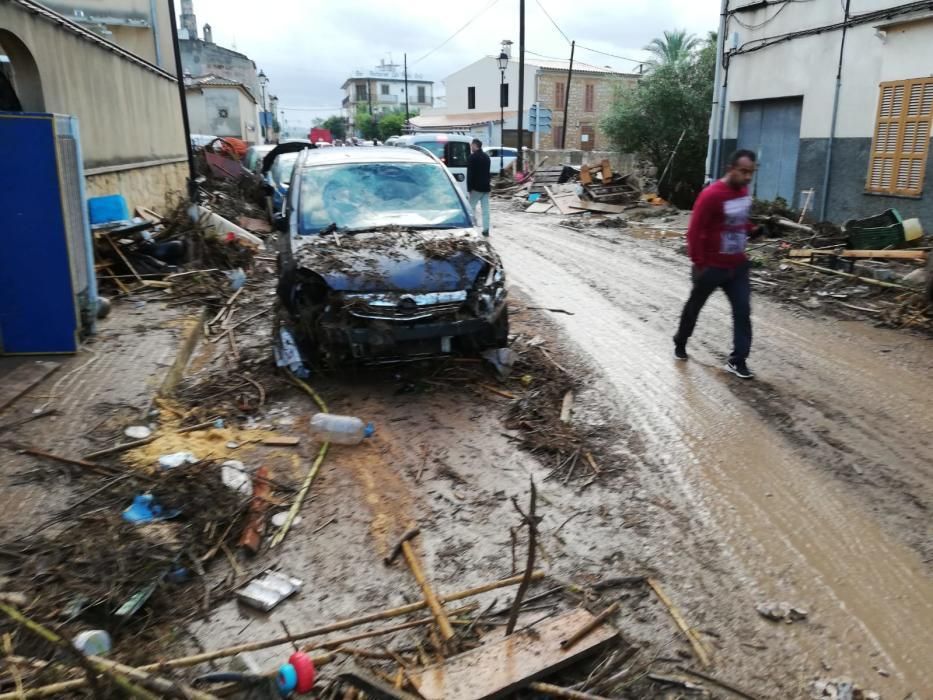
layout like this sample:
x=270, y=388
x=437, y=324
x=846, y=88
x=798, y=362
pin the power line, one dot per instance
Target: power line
x=624, y=58
x=448, y=39
x=552, y=21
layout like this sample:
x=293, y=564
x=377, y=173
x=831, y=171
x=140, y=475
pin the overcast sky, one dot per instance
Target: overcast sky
x=309, y=47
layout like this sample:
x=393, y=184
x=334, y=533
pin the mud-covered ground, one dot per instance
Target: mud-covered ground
x=810, y=485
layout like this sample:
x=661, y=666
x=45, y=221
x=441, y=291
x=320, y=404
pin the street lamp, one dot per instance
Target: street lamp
x=503, y=64
x=263, y=81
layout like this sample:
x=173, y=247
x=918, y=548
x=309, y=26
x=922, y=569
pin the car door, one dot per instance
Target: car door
x=456, y=157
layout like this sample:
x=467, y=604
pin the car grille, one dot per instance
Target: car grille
x=406, y=307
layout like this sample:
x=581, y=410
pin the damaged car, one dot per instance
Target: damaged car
x=380, y=260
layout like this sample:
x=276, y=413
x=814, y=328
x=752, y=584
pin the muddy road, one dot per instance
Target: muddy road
x=815, y=479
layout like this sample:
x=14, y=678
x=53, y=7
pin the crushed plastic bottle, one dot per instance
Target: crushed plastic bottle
x=287, y=355
x=340, y=430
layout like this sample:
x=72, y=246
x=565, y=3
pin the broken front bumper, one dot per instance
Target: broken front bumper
x=384, y=340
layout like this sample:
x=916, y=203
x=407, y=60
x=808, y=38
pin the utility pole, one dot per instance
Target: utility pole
x=183, y=97
x=405, y=60
x=519, y=162
x=563, y=136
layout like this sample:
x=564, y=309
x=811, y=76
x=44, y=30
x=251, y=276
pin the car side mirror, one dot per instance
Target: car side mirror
x=458, y=177
x=280, y=222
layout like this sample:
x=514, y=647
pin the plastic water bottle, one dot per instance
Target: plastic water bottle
x=341, y=430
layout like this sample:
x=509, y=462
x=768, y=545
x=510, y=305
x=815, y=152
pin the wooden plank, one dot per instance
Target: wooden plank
x=585, y=177
x=561, y=207
x=607, y=171
x=880, y=254
x=24, y=378
x=539, y=207
x=586, y=205
x=281, y=440
x=499, y=668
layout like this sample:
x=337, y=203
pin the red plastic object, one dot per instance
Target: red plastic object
x=304, y=667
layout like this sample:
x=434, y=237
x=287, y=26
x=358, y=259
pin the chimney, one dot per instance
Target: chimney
x=188, y=21
x=208, y=34
x=507, y=47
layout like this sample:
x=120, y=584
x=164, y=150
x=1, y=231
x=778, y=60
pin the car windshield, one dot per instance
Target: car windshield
x=359, y=196
x=282, y=168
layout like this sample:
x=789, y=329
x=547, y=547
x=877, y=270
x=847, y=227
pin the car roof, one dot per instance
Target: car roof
x=434, y=136
x=376, y=154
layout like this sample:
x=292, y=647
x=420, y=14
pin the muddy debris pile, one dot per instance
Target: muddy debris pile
x=876, y=268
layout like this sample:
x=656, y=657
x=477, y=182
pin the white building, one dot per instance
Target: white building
x=221, y=107
x=861, y=143
x=382, y=89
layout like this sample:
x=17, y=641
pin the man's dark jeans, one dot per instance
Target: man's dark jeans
x=735, y=283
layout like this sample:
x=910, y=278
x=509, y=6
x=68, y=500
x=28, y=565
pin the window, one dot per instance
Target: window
x=361, y=92
x=458, y=154
x=588, y=99
x=385, y=89
x=901, y=141
x=558, y=133
x=587, y=137
x=560, y=95
x=422, y=97
x=471, y=97
x=504, y=95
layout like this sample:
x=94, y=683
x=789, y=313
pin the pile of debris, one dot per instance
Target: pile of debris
x=877, y=267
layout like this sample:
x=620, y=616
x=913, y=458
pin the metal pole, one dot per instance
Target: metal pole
x=183, y=98
x=519, y=162
x=563, y=136
x=501, y=118
x=824, y=200
x=717, y=78
x=717, y=161
x=153, y=13
x=407, y=117
x=262, y=122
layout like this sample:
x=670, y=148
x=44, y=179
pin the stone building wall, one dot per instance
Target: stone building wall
x=579, y=120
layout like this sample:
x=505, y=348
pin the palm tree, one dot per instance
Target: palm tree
x=675, y=47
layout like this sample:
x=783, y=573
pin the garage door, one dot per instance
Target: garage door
x=771, y=128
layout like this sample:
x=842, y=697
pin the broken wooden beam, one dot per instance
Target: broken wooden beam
x=880, y=254
x=691, y=634
x=24, y=378
x=510, y=663
x=866, y=280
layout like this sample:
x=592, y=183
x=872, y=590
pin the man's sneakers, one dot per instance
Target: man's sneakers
x=680, y=352
x=739, y=369
x=486, y=234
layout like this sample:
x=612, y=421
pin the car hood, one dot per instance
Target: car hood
x=396, y=259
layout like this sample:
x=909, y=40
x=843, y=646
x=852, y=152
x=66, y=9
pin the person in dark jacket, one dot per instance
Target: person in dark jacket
x=478, y=181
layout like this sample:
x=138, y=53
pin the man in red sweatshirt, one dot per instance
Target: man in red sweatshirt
x=716, y=239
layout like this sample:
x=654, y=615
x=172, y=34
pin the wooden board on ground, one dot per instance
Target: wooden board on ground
x=607, y=171
x=880, y=254
x=539, y=208
x=281, y=441
x=499, y=668
x=586, y=205
x=24, y=378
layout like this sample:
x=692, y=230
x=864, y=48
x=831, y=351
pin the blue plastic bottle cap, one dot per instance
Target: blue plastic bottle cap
x=287, y=679
x=369, y=430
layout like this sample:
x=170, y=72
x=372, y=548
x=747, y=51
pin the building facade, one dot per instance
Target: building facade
x=473, y=101
x=221, y=107
x=382, y=89
x=132, y=138
x=140, y=26
x=845, y=110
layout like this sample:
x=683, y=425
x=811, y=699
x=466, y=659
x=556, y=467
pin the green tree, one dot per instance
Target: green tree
x=675, y=47
x=366, y=124
x=673, y=99
x=391, y=124
x=336, y=125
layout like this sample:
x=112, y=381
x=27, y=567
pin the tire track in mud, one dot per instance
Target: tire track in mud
x=797, y=534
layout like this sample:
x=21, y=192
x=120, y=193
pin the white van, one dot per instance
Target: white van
x=453, y=150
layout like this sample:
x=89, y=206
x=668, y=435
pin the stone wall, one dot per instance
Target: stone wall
x=605, y=89
x=201, y=58
x=141, y=186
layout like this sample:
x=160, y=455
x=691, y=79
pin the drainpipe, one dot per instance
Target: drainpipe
x=824, y=200
x=721, y=127
x=155, y=32
x=717, y=77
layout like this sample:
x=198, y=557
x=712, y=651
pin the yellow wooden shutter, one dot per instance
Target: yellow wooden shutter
x=902, y=137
